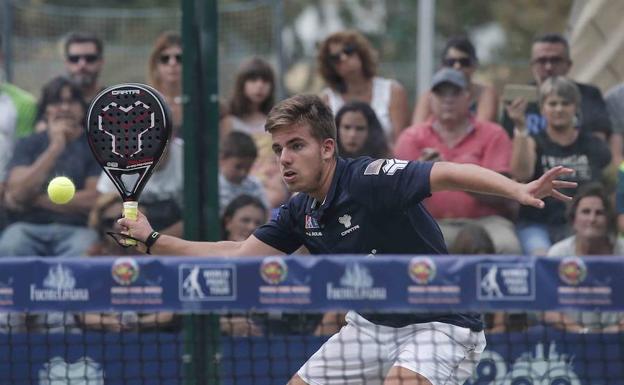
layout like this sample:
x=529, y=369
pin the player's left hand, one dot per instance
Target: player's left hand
x=531, y=194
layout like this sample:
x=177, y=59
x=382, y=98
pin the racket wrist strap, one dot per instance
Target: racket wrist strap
x=151, y=239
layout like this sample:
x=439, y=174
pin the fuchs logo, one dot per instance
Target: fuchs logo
x=311, y=223
x=572, y=270
x=273, y=270
x=126, y=92
x=422, y=270
x=59, y=285
x=84, y=371
x=125, y=270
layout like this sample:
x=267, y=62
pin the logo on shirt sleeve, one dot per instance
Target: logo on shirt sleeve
x=393, y=165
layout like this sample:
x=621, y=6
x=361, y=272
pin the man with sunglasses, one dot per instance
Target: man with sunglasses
x=550, y=56
x=83, y=61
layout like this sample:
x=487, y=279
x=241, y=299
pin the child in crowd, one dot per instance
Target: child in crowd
x=237, y=153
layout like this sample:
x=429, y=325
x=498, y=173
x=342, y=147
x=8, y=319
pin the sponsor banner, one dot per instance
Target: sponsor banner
x=425, y=288
x=505, y=281
x=278, y=286
x=430, y=283
x=207, y=282
x=131, y=287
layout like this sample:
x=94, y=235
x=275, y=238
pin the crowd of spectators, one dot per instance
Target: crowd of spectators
x=457, y=119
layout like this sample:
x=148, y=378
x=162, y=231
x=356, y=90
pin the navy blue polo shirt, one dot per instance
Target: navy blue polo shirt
x=372, y=207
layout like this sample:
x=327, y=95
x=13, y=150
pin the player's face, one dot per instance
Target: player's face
x=450, y=103
x=590, y=218
x=353, y=132
x=235, y=169
x=257, y=90
x=549, y=59
x=244, y=221
x=169, y=68
x=558, y=112
x=83, y=63
x=302, y=158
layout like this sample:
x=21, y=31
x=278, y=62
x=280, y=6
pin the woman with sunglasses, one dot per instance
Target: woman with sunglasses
x=165, y=73
x=459, y=53
x=348, y=64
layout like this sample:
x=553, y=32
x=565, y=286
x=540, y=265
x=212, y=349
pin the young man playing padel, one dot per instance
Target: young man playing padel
x=365, y=206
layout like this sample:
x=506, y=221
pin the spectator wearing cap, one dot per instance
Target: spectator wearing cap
x=453, y=134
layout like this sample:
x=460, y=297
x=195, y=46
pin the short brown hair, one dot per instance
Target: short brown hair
x=363, y=48
x=562, y=87
x=238, y=144
x=303, y=109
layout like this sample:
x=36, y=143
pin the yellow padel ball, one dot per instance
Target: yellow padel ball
x=61, y=190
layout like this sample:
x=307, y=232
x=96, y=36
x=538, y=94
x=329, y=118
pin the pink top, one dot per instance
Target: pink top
x=486, y=145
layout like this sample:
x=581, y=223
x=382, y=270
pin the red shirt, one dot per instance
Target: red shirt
x=486, y=145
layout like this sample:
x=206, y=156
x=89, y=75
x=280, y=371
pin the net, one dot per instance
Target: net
x=119, y=320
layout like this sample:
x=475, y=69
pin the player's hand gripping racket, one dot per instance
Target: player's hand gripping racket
x=128, y=127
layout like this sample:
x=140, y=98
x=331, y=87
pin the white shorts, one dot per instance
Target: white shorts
x=363, y=353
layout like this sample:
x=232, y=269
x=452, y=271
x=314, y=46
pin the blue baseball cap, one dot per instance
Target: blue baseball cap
x=450, y=76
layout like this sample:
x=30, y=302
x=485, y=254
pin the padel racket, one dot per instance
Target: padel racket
x=128, y=127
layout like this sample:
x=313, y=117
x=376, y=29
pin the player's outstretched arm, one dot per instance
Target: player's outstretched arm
x=169, y=245
x=473, y=178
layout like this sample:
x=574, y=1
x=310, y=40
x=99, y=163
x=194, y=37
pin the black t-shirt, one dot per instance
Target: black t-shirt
x=372, y=207
x=75, y=162
x=588, y=156
x=593, y=115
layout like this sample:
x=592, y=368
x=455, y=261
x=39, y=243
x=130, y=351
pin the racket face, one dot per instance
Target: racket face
x=128, y=128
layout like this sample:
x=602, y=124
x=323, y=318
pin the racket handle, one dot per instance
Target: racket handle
x=131, y=211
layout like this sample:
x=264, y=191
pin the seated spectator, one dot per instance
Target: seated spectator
x=103, y=219
x=560, y=144
x=550, y=56
x=359, y=132
x=348, y=64
x=454, y=135
x=237, y=154
x=252, y=98
x=17, y=118
x=240, y=218
x=84, y=59
x=163, y=196
x=40, y=227
x=459, y=53
x=615, y=107
x=164, y=73
x=593, y=223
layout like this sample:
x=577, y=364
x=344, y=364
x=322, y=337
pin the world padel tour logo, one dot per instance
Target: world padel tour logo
x=125, y=271
x=422, y=270
x=356, y=283
x=572, y=270
x=59, y=285
x=273, y=270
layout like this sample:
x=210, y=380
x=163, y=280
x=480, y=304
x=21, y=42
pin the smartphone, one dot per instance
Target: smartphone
x=515, y=91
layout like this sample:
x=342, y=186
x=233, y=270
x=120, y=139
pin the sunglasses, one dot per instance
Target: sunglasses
x=348, y=50
x=462, y=61
x=89, y=58
x=553, y=60
x=165, y=59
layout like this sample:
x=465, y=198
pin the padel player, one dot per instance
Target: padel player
x=365, y=206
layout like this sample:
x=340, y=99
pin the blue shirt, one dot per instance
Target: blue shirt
x=372, y=207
